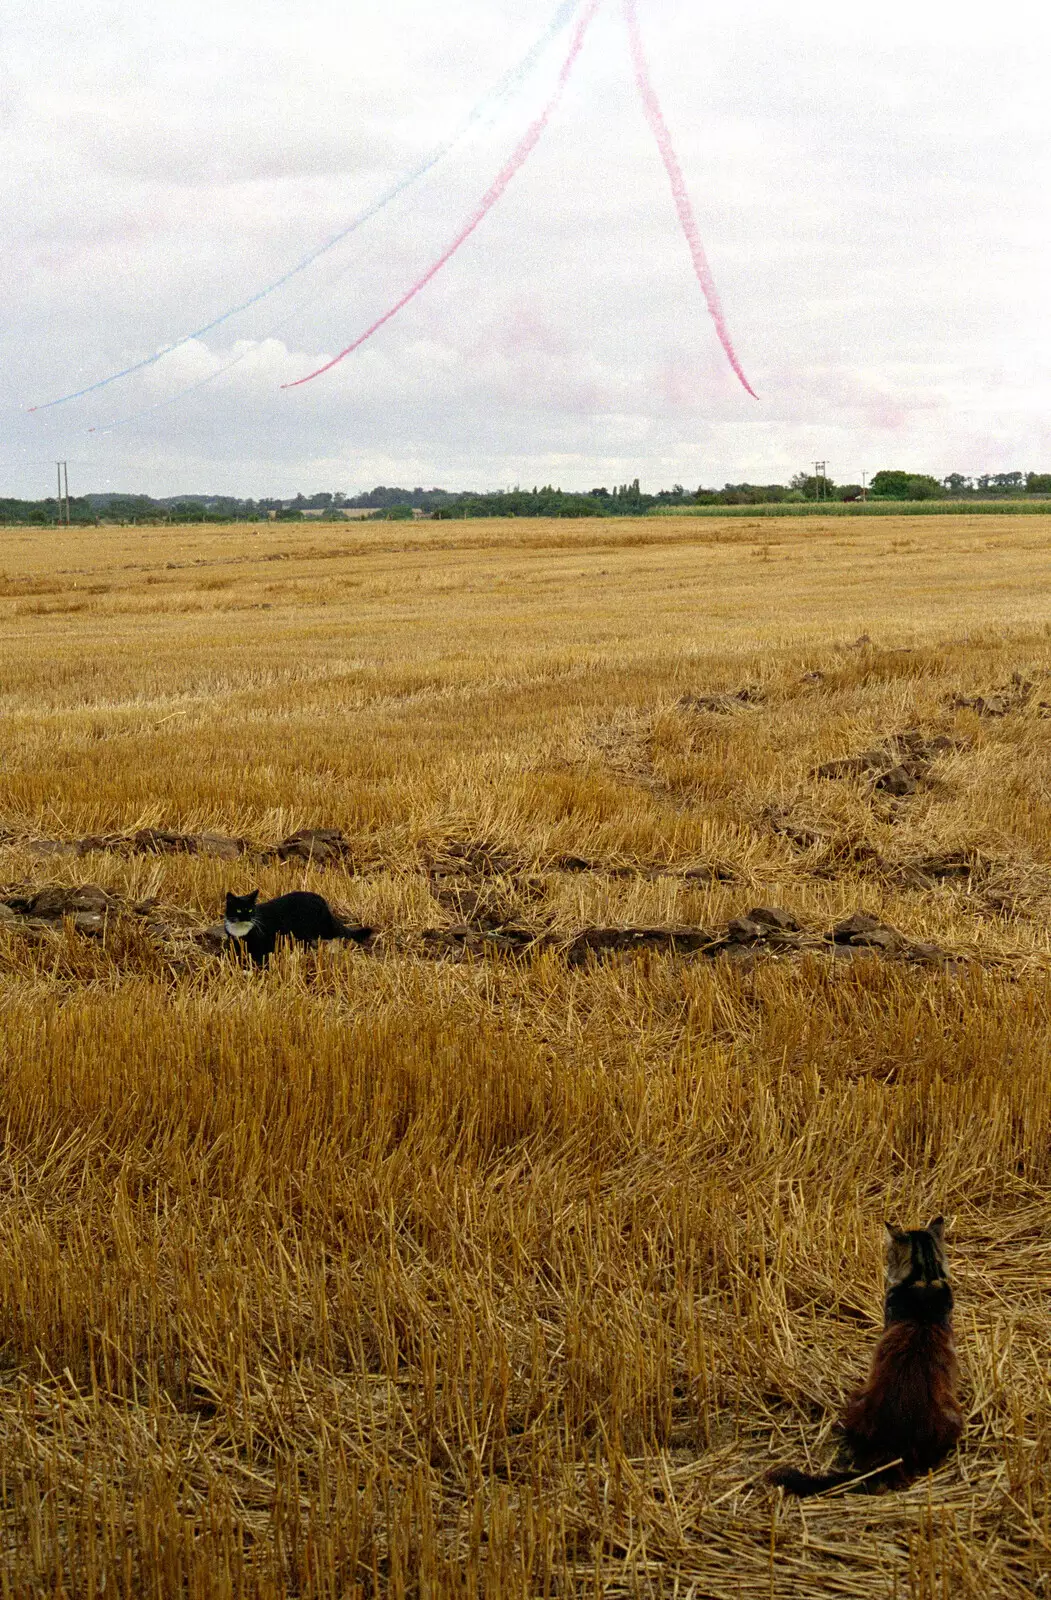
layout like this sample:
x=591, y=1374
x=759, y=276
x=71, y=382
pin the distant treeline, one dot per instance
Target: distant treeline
x=626, y=499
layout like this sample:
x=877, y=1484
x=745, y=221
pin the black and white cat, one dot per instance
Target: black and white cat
x=303, y=917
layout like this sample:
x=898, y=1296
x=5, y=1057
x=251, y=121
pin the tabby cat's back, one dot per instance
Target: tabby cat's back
x=906, y=1417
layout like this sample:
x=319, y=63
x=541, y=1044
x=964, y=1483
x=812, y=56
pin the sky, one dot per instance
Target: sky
x=872, y=185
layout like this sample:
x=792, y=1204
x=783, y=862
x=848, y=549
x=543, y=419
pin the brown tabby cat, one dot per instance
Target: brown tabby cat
x=906, y=1417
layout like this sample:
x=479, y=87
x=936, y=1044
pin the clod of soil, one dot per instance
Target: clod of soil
x=575, y=864
x=94, y=842
x=780, y=820
x=218, y=844
x=480, y=907
x=55, y=902
x=477, y=858
x=313, y=844
x=1009, y=697
x=773, y=919
x=77, y=847
x=710, y=872
x=925, y=871
x=853, y=766
x=898, y=781
x=86, y=905
x=897, y=767
x=847, y=855
x=861, y=928
x=993, y=705
x=750, y=695
x=606, y=941
x=161, y=841
x=458, y=942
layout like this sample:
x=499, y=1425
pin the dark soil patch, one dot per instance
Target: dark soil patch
x=313, y=844
x=761, y=928
x=1020, y=692
x=925, y=872
x=481, y=906
x=588, y=943
x=477, y=858
x=318, y=845
x=805, y=836
x=724, y=703
x=483, y=888
x=898, y=767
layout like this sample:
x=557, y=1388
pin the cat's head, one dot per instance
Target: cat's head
x=240, y=913
x=917, y=1265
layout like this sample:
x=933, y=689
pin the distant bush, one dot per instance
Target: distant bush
x=906, y=486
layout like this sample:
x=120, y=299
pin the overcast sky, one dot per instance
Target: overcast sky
x=872, y=182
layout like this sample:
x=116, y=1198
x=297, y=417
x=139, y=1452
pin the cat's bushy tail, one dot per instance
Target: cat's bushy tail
x=792, y=1481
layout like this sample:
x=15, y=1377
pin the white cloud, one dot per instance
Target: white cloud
x=870, y=183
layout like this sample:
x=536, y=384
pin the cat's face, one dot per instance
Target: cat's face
x=917, y=1255
x=240, y=914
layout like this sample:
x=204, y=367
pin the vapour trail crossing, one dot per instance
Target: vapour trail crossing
x=659, y=129
x=521, y=154
x=180, y=394
x=506, y=87
x=227, y=366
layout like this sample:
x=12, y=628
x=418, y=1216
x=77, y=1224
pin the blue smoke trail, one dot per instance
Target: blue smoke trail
x=507, y=86
x=235, y=361
x=487, y=111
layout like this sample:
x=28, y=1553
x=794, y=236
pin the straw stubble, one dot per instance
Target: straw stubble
x=437, y=1269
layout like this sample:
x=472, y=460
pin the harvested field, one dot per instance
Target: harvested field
x=709, y=872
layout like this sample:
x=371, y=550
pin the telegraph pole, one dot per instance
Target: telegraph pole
x=63, y=492
x=864, y=486
x=819, y=479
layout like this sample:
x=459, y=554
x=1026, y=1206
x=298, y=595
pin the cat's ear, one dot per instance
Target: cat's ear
x=252, y=898
x=937, y=1229
x=897, y=1254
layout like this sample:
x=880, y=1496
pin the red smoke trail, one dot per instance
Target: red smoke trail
x=525, y=148
x=659, y=128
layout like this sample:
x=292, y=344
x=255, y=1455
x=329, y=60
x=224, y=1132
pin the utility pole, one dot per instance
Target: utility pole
x=63, y=492
x=864, y=486
x=819, y=479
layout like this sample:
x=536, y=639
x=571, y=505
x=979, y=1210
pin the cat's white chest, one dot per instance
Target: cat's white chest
x=237, y=930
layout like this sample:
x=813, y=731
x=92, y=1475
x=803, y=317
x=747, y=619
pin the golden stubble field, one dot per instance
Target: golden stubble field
x=486, y=1260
